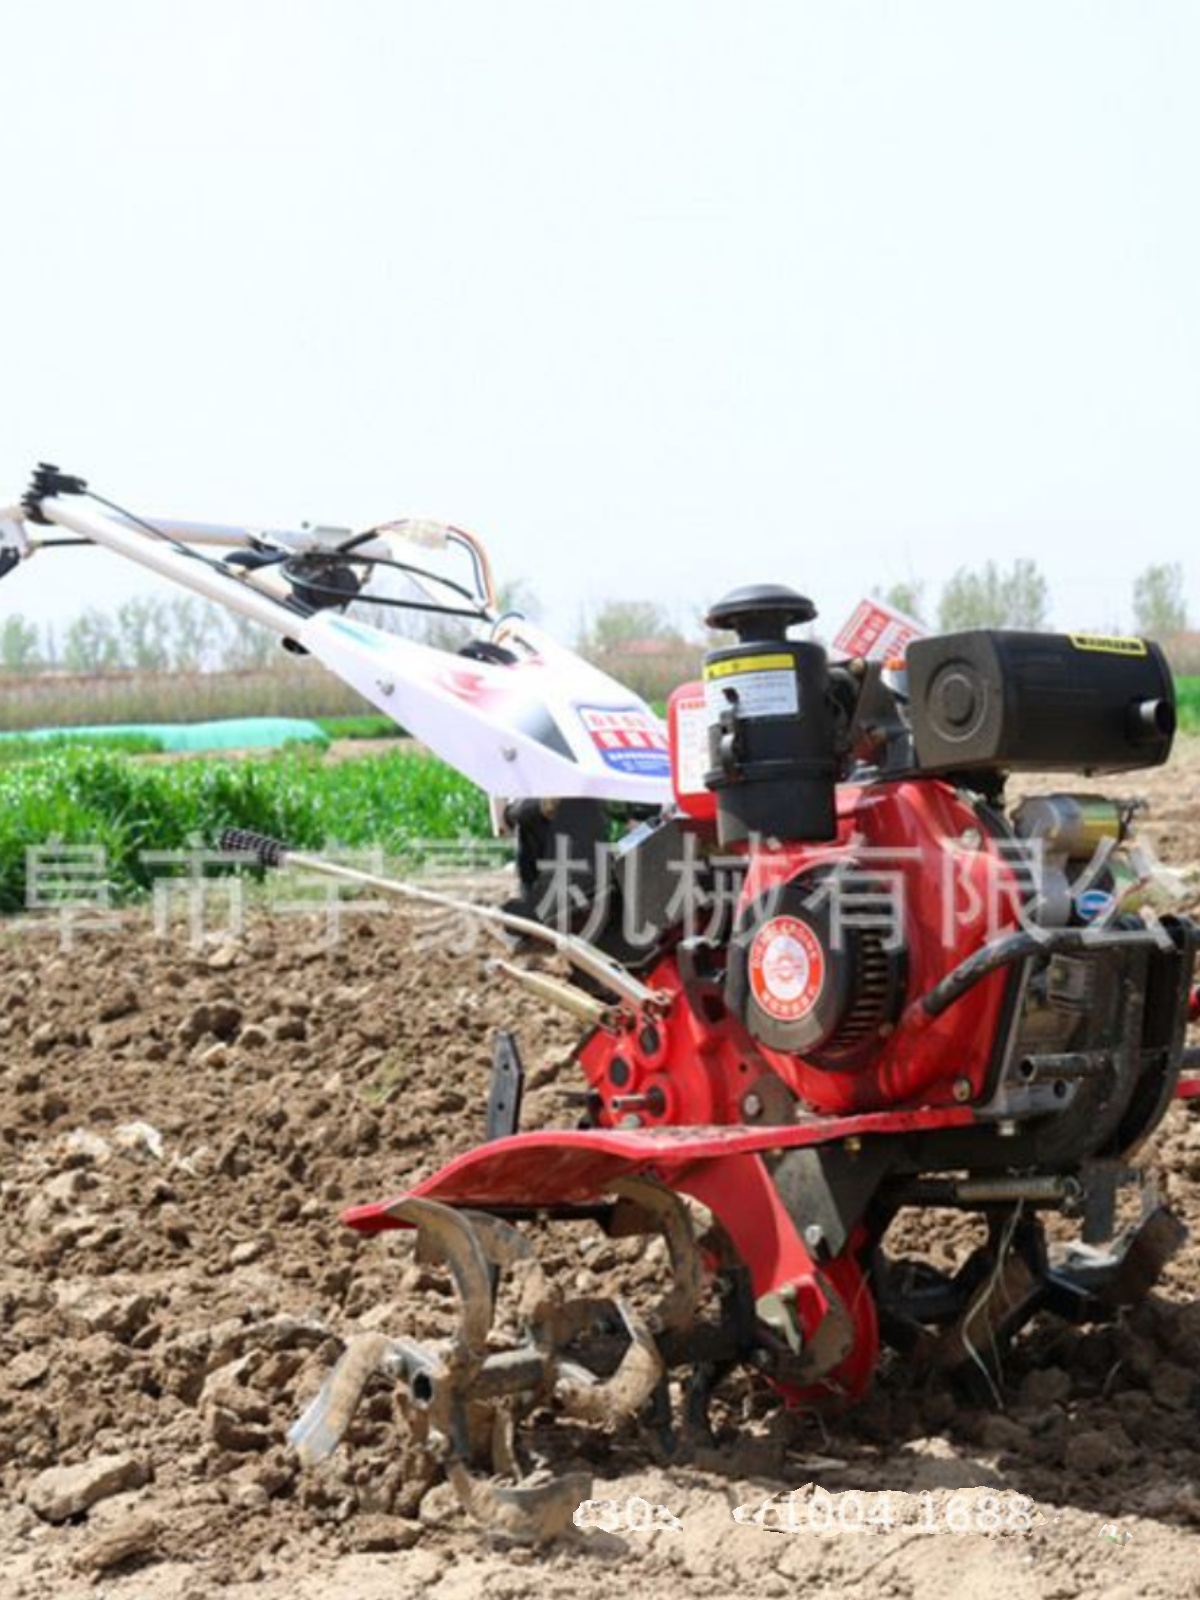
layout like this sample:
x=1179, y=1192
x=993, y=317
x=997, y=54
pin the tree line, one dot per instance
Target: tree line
x=1018, y=596
x=178, y=634
x=988, y=596
x=183, y=634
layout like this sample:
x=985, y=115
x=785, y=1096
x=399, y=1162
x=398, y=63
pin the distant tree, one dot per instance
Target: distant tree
x=992, y=598
x=245, y=645
x=517, y=594
x=91, y=644
x=619, y=621
x=1026, y=596
x=144, y=629
x=908, y=597
x=192, y=624
x=1159, y=607
x=19, y=644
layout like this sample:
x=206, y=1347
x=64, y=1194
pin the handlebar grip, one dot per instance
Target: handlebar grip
x=267, y=852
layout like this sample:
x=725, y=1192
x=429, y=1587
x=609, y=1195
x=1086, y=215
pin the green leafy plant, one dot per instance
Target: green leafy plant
x=397, y=801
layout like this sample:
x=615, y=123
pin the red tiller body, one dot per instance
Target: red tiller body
x=954, y=888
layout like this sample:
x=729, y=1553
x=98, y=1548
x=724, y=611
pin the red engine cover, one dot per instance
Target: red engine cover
x=954, y=888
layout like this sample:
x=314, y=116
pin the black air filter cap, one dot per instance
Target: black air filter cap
x=761, y=611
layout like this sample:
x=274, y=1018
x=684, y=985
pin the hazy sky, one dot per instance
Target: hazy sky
x=658, y=296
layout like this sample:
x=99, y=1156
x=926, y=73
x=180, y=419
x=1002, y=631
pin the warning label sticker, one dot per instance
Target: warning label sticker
x=691, y=744
x=787, y=968
x=759, y=686
x=732, y=665
x=877, y=632
x=1109, y=644
x=629, y=739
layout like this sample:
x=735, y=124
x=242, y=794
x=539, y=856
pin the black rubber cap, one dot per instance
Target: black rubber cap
x=761, y=611
x=956, y=699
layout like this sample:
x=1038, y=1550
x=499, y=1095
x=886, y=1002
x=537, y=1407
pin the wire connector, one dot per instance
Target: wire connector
x=48, y=480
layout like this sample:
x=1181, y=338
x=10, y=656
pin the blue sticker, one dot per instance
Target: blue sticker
x=629, y=738
x=367, y=636
x=1093, y=903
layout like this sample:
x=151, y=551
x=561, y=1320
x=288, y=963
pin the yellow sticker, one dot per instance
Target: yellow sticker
x=737, y=664
x=1111, y=644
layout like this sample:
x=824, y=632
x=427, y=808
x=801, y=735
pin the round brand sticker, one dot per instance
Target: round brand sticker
x=1093, y=903
x=787, y=968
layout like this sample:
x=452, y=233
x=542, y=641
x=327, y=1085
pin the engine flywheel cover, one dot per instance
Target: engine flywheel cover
x=808, y=984
x=787, y=969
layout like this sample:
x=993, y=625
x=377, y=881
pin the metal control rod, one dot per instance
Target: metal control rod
x=583, y=956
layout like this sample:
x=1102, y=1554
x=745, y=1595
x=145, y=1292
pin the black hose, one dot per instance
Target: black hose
x=1013, y=947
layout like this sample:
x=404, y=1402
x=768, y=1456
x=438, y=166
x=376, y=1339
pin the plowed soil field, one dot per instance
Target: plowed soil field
x=180, y=1128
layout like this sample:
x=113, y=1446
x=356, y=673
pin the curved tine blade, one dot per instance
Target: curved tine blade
x=319, y=1430
x=677, y=1308
x=507, y=1248
x=528, y=1514
x=583, y=1314
x=610, y=1400
x=455, y=1241
x=501, y=1242
x=504, y=1443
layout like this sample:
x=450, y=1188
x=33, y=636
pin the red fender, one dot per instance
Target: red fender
x=720, y=1166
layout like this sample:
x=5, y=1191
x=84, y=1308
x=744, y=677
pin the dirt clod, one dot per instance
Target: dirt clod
x=59, y=1493
x=134, y=1538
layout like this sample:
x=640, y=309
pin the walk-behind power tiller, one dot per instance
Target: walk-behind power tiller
x=833, y=973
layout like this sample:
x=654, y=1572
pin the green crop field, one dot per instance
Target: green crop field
x=82, y=797
x=1188, y=691
x=29, y=749
x=374, y=726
